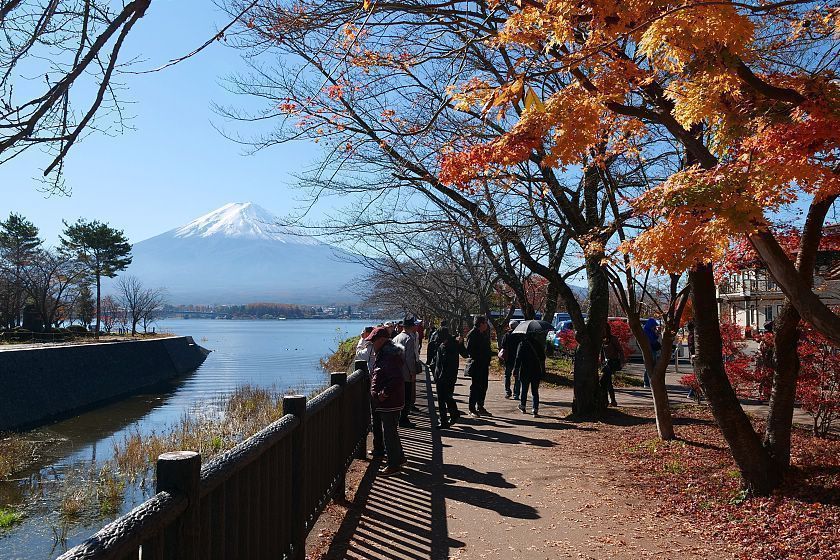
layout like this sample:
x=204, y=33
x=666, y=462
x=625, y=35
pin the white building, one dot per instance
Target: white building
x=751, y=298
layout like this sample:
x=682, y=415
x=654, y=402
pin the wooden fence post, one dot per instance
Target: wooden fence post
x=361, y=451
x=340, y=379
x=296, y=405
x=179, y=472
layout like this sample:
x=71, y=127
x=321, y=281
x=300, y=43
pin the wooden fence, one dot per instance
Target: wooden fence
x=258, y=500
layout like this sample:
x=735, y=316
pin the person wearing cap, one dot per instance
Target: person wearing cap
x=477, y=348
x=388, y=395
x=507, y=353
x=364, y=354
x=411, y=367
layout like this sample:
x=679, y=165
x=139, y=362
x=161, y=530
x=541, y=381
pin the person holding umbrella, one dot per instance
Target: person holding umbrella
x=529, y=364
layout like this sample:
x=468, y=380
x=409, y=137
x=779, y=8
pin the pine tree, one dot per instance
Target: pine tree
x=19, y=241
x=101, y=249
x=85, y=306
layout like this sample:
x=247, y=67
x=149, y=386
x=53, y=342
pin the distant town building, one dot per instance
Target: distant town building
x=751, y=298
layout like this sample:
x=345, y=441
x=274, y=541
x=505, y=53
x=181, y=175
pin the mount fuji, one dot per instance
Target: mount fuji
x=239, y=254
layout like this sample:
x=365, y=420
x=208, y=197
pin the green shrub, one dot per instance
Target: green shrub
x=343, y=357
x=9, y=517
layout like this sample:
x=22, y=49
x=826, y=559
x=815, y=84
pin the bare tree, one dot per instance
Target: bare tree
x=141, y=304
x=67, y=53
x=111, y=313
x=48, y=280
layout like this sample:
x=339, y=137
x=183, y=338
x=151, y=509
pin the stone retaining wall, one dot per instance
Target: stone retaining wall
x=38, y=385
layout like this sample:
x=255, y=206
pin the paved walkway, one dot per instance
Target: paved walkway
x=505, y=487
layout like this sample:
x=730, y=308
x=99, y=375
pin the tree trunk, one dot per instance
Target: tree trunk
x=758, y=471
x=552, y=294
x=661, y=405
x=587, y=404
x=787, y=332
x=783, y=394
x=98, y=303
x=585, y=368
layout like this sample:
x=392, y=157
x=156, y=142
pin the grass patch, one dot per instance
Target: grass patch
x=209, y=430
x=343, y=357
x=9, y=518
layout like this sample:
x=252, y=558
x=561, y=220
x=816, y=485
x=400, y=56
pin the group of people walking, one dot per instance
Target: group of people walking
x=391, y=354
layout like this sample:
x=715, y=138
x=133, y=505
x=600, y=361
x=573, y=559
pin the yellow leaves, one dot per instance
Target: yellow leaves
x=475, y=92
x=694, y=30
x=577, y=119
x=532, y=100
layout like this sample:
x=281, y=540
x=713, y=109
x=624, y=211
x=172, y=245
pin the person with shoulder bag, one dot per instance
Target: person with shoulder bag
x=477, y=348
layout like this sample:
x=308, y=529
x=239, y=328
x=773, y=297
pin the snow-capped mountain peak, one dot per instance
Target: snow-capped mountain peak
x=244, y=220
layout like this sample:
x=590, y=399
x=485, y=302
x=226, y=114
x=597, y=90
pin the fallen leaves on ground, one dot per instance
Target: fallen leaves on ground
x=696, y=476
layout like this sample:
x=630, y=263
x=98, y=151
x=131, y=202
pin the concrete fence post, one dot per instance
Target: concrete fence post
x=296, y=406
x=179, y=472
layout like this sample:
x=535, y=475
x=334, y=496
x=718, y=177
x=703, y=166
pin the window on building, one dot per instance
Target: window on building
x=768, y=313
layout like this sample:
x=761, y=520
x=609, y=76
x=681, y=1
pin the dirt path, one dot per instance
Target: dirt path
x=508, y=487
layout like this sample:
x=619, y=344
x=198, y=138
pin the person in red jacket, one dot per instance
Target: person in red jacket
x=387, y=391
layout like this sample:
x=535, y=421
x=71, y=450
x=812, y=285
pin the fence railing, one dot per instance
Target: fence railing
x=257, y=500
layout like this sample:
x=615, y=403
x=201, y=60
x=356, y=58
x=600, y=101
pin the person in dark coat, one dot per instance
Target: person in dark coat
x=507, y=354
x=477, y=348
x=613, y=357
x=387, y=391
x=652, y=333
x=446, y=375
x=529, y=367
x=432, y=346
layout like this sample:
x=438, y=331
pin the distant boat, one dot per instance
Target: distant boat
x=281, y=318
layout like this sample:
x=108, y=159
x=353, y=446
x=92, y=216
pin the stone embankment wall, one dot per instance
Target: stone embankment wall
x=38, y=385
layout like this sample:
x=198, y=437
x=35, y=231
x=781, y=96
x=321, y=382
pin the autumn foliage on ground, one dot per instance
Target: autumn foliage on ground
x=696, y=475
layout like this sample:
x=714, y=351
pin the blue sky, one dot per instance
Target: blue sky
x=175, y=166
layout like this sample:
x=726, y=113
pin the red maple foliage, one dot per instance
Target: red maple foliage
x=622, y=332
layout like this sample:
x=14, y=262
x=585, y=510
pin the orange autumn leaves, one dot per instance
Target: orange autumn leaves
x=769, y=151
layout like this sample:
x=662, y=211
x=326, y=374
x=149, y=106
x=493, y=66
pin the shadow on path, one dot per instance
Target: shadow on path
x=402, y=517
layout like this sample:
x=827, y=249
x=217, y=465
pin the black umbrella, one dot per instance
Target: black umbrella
x=533, y=326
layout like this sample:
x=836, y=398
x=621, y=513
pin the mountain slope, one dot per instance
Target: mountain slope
x=238, y=254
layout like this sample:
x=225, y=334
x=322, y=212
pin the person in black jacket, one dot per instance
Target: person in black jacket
x=507, y=354
x=477, y=348
x=529, y=366
x=446, y=375
x=432, y=345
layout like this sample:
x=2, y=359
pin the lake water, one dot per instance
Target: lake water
x=281, y=354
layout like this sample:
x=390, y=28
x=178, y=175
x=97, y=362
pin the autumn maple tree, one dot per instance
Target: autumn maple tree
x=738, y=87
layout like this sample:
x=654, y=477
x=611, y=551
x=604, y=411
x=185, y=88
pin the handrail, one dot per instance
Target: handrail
x=256, y=500
x=117, y=539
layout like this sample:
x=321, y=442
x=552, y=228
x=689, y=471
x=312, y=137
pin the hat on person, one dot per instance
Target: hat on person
x=378, y=332
x=410, y=322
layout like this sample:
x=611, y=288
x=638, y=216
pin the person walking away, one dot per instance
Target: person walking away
x=507, y=355
x=421, y=330
x=650, y=328
x=529, y=367
x=417, y=341
x=405, y=340
x=388, y=395
x=477, y=348
x=446, y=375
x=613, y=358
x=432, y=346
